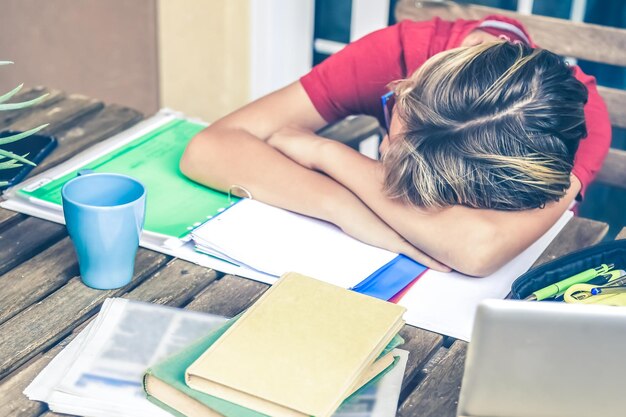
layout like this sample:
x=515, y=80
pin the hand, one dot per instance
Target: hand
x=300, y=145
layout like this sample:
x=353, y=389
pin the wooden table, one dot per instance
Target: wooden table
x=43, y=304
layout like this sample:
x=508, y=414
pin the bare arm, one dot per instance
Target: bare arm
x=233, y=150
x=473, y=241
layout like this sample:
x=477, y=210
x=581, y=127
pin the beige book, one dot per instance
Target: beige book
x=300, y=350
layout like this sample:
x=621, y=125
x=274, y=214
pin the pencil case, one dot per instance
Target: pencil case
x=568, y=265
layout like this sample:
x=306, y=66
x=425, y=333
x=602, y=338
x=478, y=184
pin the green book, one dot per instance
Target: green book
x=165, y=386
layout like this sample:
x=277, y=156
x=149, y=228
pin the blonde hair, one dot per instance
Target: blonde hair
x=490, y=126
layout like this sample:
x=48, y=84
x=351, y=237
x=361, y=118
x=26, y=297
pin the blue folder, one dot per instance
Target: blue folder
x=391, y=278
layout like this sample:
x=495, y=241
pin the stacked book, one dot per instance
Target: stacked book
x=304, y=348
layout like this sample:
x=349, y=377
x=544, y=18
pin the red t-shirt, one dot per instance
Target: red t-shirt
x=353, y=80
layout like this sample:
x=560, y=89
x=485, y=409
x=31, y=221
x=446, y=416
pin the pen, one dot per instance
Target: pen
x=611, y=278
x=608, y=290
x=559, y=288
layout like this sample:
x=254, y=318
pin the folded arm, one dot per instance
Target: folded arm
x=234, y=151
x=473, y=241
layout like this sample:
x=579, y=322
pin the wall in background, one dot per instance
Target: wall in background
x=103, y=49
x=281, y=36
x=204, y=55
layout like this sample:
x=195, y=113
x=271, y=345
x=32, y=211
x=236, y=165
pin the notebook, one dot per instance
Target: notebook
x=275, y=241
x=311, y=340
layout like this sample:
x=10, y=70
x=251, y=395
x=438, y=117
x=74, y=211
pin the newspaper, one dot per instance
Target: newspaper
x=100, y=372
x=108, y=358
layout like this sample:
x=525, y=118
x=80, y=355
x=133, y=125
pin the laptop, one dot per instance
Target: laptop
x=545, y=359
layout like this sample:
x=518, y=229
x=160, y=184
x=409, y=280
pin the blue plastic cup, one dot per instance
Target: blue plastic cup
x=104, y=214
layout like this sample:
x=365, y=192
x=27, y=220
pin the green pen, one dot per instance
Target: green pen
x=558, y=288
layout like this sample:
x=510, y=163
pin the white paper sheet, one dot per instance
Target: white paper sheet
x=276, y=241
x=99, y=374
x=446, y=302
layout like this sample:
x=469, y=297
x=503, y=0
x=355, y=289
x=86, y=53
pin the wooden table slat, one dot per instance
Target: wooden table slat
x=36, y=278
x=9, y=218
x=228, y=297
x=45, y=323
x=60, y=115
x=12, y=400
x=438, y=394
x=11, y=116
x=26, y=239
x=421, y=345
x=176, y=284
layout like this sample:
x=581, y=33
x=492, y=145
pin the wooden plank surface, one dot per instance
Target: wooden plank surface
x=422, y=345
x=12, y=401
x=553, y=34
x=10, y=116
x=9, y=218
x=229, y=296
x=26, y=239
x=61, y=115
x=36, y=278
x=438, y=394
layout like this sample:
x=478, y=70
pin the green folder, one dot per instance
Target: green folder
x=171, y=371
x=174, y=203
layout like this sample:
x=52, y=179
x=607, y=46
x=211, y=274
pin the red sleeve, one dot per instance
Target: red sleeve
x=594, y=148
x=352, y=80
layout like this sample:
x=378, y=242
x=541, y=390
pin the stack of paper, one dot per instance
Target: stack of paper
x=100, y=372
x=301, y=350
